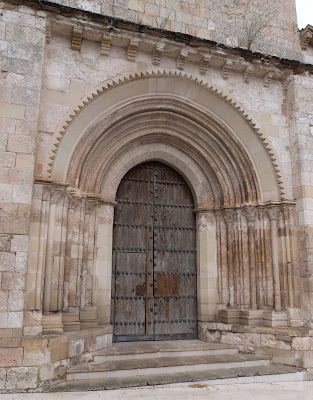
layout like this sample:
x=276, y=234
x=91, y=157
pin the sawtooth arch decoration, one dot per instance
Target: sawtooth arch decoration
x=207, y=126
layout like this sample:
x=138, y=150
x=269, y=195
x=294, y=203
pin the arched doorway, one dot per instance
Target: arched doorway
x=154, y=285
x=245, y=229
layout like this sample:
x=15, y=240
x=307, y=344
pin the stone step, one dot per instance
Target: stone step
x=181, y=348
x=164, y=365
x=268, y=373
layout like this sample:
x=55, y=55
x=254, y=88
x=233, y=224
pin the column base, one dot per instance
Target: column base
x=270, y=318
x=229, y=316
x=275, y=318
x=251, y=317
x=52, y=323
x=71, y=321
x=88, y=319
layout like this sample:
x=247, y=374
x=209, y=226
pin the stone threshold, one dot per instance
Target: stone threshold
x=268, y=373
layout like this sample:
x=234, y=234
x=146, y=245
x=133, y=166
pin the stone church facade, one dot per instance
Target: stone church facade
x=216, y=98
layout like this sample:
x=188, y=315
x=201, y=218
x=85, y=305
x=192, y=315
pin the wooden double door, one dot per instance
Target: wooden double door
x=154, y=283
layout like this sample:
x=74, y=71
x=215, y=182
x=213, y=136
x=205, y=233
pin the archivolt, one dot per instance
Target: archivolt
x=176, y=119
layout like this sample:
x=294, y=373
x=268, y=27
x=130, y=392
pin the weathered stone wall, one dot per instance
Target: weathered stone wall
x=300, y=111
x=262, y=25
x=22, y=34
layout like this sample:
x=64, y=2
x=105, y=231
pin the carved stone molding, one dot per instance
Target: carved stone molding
x=216, y=59
x=163, y=73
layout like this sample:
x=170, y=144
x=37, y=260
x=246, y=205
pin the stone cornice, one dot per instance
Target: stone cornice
x=198, y=55
x=85, y=18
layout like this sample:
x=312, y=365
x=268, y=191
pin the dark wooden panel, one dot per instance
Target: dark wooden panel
x=154, y=294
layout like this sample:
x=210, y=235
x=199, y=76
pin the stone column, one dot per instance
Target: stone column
x=207, y=276
x=103, y=261
x=273, y=216
x=49, y=258
x=229, y=217
x=37, y=245
x=88, y=311
x=55, y=235
x=286, y=215
x=250, y=214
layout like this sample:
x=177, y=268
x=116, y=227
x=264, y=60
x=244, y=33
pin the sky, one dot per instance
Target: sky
x=304, y=12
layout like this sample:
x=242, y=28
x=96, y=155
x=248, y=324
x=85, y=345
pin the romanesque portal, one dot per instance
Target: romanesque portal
x=245, y=237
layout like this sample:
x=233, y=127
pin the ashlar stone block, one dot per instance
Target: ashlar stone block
x=3, y=375
x=11, y=357
x=22, y=378
x=19, y=243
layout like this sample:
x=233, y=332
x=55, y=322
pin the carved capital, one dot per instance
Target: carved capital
x=205, y=219
x=46, y=192
x=250, y=212
x=91, y=204
x=57, y=194
x=229, y=214
x=76, y=198
x=273, y=212
x=288, y=209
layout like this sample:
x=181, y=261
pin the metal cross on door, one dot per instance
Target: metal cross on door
x=154, y=285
